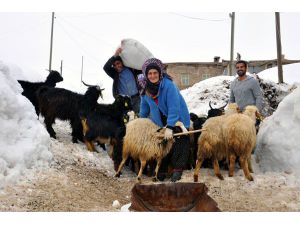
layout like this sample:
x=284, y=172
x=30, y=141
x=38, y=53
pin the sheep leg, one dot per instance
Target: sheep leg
x=232, y=159
x=217, y=169
x=143, y=164
x=197, y=168
x=158, y=163
x=250, y=164
x=244, y=165
x=136, y=166
x=121, y=166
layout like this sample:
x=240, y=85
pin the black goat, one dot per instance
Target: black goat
x=67, y=105
x=197, y=124
x=106, y=124
x=30, y=88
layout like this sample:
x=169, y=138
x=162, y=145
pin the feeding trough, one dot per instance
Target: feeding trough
x=172, y=197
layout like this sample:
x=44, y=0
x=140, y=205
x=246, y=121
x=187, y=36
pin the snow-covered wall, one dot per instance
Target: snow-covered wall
x=24, y=142
x=278, y=140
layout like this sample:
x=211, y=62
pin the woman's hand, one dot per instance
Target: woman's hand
x=168, y=134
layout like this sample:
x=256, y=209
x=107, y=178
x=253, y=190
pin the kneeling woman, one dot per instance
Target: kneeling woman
x=162, y=102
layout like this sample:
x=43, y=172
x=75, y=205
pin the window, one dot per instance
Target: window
x=205, y=76
x=185, y=80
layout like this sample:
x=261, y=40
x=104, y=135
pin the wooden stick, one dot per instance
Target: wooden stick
x=189, y=132
x=184, y=133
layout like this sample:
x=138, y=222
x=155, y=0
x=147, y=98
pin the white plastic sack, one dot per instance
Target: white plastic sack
x=134, y=54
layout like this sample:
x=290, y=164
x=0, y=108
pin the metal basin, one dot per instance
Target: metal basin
x=172, y=197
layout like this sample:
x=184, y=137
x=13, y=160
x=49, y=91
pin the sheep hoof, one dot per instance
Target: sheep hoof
x=195, y=178
x=154, y=179
x=220, y=176
x=230, y=175
x=250, y=178
x=117, y=175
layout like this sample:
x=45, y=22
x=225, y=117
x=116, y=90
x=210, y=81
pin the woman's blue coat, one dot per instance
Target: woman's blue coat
x=170, y=103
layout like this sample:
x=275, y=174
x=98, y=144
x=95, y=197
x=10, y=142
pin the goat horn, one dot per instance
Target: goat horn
x=223, y=107
x=88, y=85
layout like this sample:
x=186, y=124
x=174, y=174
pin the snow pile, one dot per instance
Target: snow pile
x=215, y=89
x=291, y=73
x=24, y=141
x=278, y=138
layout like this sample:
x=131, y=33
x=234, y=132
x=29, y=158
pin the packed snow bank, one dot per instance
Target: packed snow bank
x=24, y=141
x=215, y=89
x=291, y=73
x=278, y=142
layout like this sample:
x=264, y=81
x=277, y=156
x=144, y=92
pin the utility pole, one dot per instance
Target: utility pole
x=279, y=53
x=232, y=16
x=61, y=67
x=81, y=67
x=51, y=42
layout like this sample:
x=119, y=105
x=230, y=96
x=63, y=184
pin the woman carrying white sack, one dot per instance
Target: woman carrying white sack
x=162, y=102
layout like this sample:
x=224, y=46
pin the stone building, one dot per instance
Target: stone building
x=186, y=74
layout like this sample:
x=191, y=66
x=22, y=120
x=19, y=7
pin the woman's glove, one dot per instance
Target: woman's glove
x=168, y=134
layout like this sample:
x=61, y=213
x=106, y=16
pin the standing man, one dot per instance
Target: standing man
x=245, y=90
x=124, y=79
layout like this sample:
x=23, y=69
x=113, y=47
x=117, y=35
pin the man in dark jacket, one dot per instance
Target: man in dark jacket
x=124, y=79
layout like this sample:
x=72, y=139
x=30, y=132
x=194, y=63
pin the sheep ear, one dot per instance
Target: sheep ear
x=258, y=116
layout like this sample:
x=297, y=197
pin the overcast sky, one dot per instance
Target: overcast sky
x=172, y=36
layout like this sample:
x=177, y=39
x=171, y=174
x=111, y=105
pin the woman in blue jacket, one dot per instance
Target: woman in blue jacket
x=162, y=102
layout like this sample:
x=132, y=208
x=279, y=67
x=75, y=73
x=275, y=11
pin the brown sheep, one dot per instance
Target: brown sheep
x=211, y=142
x=240, y=139
x=143, y=142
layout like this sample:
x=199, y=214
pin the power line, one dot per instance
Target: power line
x=197, y=18
x=89, y=15
x=79, y=45
x=84, y=32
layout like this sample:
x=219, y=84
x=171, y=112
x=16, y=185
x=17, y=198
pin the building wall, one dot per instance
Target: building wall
x=186, y=75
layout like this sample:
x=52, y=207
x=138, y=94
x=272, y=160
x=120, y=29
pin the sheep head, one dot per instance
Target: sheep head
x=252, y=112
x=232, y=108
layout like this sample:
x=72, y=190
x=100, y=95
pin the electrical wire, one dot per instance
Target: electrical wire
x=95, y=60
x=197, y=18
x=82, y=31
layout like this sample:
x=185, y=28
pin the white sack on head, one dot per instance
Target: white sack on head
x=134, y=53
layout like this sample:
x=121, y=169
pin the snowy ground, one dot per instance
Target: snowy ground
x=79, y=180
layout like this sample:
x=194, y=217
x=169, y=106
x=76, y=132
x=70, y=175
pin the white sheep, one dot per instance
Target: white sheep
x=143, y=142
x=240, y=139
x=211, y=142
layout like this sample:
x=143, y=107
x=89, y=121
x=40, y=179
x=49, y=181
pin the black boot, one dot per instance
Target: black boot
x=161, y=176
x=176, y=176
